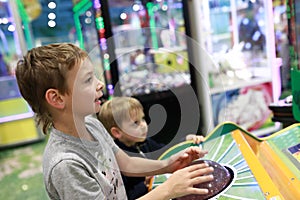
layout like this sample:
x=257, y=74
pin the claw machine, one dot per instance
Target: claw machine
x=236, y=61
x=17, y=120
x=145, y=55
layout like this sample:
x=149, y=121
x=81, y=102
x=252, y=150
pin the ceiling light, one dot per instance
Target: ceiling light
x=51, y=16
x=51, y=23
x=11, y=28
x=51, y=5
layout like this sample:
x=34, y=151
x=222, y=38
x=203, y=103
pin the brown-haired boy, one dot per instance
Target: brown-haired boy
x=81, y=161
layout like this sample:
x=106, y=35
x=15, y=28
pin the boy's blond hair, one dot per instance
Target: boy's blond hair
x=43, y=68
x=114, y=111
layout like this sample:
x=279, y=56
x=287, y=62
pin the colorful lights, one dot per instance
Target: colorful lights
x=7, y=24
x=123, y=16
x=97, y=4
x=135, y=7
x=51, y=23
x=11, y=28
x=52, y=5
x=3, y=20
x=103, y=43
x=51, y=15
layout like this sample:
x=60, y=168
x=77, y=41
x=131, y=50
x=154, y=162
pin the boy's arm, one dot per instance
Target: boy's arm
x=181, y=183
x=135, y=166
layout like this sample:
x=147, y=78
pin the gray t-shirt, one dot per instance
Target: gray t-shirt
x=79, y=169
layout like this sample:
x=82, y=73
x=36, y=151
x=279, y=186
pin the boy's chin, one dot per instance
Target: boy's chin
x=141, y=139
x=97, y=109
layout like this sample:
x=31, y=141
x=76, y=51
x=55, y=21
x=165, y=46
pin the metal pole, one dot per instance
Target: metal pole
x=21, y=47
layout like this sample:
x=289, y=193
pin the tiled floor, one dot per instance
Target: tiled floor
x=21, y=172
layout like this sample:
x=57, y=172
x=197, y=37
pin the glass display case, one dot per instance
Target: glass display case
x=220, y=48
x=240, y=41
x=149, y=46
x=238, y=37
x=145, y=55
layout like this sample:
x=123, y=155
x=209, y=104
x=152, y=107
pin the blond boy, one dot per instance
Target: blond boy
x=124, y=119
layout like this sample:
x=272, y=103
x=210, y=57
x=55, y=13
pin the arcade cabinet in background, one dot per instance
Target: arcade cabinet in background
x=294, y=41
x=145, y=55
x=17, y=120
x=287, y=111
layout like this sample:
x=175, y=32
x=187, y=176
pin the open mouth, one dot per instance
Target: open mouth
x=98, y=100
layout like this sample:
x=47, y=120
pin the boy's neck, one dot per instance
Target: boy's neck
x=128, y=143
x=74, y=128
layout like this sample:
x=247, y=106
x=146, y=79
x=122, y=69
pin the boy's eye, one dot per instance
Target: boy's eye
x=89, y=80
x=138, y=122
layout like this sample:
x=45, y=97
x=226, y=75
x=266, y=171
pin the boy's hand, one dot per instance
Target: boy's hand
x=147, y=180
x=182, y=181
x=184, y=158
x=196, y=138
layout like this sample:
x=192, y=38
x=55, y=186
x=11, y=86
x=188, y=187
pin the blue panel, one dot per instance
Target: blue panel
x=9, y=88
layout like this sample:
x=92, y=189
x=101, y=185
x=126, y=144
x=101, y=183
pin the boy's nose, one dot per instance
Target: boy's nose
x=99, y=86
x=144, y=125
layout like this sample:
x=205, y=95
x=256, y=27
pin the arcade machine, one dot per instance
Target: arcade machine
x=287, y=111
x=259, y=168
x=238, y=36
x=253, y=167
x=145, y=55
x=294, y=39
x=17, y=121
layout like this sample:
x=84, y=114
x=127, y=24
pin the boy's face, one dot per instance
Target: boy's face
x=134, y=129
x=85, y=89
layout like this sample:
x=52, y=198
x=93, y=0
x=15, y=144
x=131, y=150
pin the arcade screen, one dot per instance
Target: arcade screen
x=149, y=59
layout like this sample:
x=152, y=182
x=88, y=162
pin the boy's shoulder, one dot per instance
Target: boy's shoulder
x=91, y=121
x=96, y=128
x=59, y=147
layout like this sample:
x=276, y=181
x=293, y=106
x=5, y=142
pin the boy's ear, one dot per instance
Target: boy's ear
x=54, y=98
x=115, y=132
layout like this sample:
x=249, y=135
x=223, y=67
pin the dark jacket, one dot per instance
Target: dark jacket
x=135, y=186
